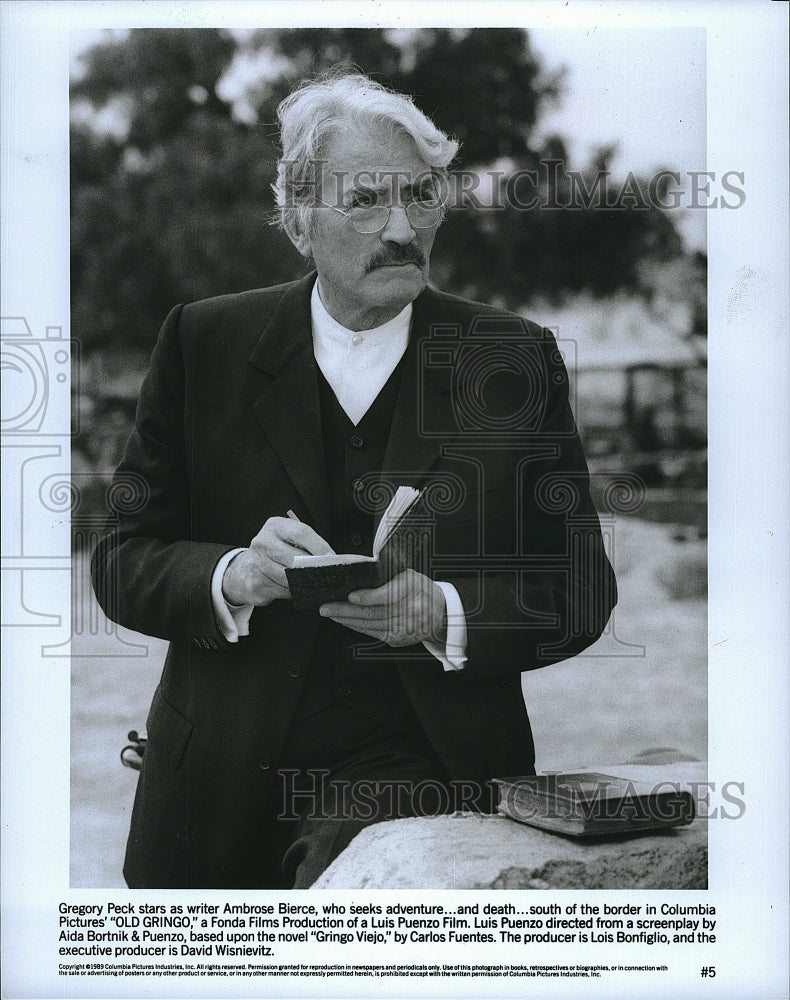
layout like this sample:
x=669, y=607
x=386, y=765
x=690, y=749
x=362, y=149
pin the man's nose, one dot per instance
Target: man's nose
x=398, y=228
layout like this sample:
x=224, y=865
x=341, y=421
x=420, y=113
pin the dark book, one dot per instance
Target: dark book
x=589, y=804
x=316, y=580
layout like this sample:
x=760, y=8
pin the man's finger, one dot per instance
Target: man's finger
x=301, y=536
x=280, y=540
x=344, y=610
x=400, y=629
x=379, y=629
x=272, y=570
x=388, y=593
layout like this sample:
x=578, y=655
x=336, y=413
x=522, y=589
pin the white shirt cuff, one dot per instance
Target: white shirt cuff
x=233, y=620
x=453, y=655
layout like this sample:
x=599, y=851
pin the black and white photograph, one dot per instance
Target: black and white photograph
x=385, y=507
x=275, y=425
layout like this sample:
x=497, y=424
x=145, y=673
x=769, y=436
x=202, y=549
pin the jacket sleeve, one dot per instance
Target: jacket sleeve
x=557, y=590
x=148, y=573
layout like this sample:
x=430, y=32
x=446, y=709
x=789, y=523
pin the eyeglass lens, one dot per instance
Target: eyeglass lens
x=370, y=219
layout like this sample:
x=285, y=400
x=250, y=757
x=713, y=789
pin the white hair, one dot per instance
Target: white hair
x=312, y=114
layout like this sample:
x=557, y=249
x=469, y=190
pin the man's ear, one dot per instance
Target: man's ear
x=299, y=239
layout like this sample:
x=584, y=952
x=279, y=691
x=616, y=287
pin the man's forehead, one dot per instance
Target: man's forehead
x=374, y=160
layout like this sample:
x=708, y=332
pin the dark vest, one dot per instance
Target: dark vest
x=338, y=673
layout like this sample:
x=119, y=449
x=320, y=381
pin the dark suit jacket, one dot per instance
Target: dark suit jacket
x=228, y=434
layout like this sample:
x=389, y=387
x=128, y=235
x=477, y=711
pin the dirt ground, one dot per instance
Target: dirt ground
x=642, y=686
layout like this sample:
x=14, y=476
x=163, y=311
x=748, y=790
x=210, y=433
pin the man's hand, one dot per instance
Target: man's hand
x=257, y=575
x=409, y=608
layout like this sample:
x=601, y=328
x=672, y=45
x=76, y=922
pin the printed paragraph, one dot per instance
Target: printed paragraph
x=203, y=931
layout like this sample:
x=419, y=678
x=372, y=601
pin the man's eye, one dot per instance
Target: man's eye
x=363, y=199
x=428, y=195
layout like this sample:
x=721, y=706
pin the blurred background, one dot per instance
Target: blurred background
x=173, y=149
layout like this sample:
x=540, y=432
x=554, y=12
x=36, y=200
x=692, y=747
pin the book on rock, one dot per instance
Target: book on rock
x=590, y=804
x=317, y=580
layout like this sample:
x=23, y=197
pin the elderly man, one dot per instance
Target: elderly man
x=278, y=422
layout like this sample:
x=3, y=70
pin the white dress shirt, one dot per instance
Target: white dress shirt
x=356, y=364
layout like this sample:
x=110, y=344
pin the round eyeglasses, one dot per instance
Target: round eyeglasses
x=373, y=218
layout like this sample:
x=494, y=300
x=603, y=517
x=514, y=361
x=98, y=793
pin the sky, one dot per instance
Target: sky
x=644, y=88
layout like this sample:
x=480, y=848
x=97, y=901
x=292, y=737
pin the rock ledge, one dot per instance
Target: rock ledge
x=493, y=852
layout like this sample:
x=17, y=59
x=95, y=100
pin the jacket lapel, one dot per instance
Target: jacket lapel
x=288, y=408
x=423, y=416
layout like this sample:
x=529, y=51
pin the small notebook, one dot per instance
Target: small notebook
x=316, y=580
x=590, y=804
